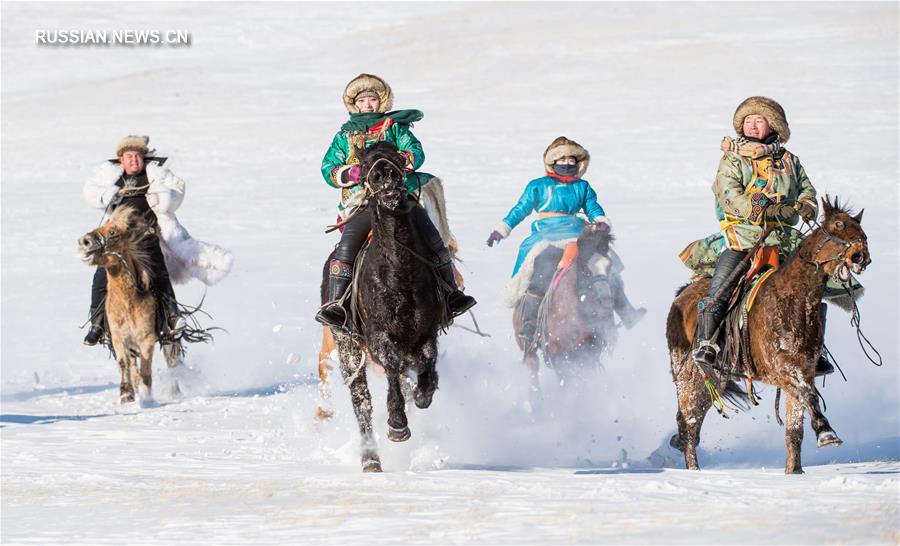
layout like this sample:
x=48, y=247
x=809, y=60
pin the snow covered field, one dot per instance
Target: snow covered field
x=245, y=113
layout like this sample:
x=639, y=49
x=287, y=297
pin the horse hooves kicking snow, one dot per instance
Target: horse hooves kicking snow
x=399, y=434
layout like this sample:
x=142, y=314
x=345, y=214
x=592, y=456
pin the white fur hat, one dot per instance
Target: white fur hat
x=368, y=84
x=135, y=143
x=563, y=147
x=767, y=108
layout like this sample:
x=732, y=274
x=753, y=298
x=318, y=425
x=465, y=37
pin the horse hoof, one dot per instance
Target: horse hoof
x=829, y=438
x=372, y=466
x=323, y=414
x=399, y=434
x=126, y=398
x=794, y=471
x=423, y=400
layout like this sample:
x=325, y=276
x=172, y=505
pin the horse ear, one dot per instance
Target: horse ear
x=858, y=217
x=826, y=205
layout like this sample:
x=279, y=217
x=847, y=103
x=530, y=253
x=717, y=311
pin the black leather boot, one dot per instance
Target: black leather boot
x=531, y=303
x=97, y=330
x=333, y=313
x=710, y=310
x=457, y=301
x=627, y=312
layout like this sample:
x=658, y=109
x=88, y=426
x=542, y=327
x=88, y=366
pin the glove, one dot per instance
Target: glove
x=602, y=223
x=807, y=211
x=350, y=177
x=152, y=200
x=495, y=237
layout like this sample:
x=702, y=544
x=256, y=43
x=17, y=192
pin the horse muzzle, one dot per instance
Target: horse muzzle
x=858, y=258
x=89, y=246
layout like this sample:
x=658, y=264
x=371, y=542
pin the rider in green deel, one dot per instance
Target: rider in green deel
x=557, y=198
x=369, y=99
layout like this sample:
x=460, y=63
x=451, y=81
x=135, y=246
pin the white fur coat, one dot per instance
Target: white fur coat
x=185, y=256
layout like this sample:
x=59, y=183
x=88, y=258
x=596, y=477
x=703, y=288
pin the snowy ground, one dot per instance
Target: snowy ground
x=245, y=114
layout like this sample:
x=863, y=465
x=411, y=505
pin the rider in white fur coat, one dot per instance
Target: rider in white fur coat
x=185, y=257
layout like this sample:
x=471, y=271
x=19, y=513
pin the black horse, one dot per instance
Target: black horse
x=399, y=304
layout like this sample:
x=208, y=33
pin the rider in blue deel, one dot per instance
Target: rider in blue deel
x=557, y=198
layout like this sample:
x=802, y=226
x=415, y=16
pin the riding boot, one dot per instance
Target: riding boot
x=711, y=309
x=97, y=330
x=98, y=308
x=457, y=301
x=530, y=305
x=627, y=312
x=169, y=306
x=333, y=313
x=823, y=365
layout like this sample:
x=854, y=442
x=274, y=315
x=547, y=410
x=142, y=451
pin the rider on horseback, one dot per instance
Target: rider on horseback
x=368, y=99
x=136, y=178
x=759, y=185
x=557, y=197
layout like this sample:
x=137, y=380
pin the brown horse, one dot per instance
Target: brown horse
x=785, y=334
x=579, y=322
x=121, y=247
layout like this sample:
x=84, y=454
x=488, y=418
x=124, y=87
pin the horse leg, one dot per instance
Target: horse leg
x=793, y=435
x=173, y=354
x=398, y=426
x=353, y=371
x=145, y=372
x=123, y=359
x=427, y=380
x=804, y=390
x=323, y=413
x=533, y=364
x=693, y=403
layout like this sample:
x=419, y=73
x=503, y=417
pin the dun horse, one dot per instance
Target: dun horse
x=579, y=323
x=785, y=334
x=122, y=247
x=399, y=304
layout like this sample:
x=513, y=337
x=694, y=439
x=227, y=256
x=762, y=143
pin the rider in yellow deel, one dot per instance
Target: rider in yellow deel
x=759, y=184
x=368, y=99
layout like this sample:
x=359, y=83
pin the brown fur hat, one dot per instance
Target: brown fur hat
x=368, y=83
x=767, y=108
x=133, y=143
x=563, y=147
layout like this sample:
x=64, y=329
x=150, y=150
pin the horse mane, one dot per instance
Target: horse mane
x=836, y=206
x=134, y=244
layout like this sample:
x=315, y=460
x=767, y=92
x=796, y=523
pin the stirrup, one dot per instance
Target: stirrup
x=324, y=316
x=706, y=353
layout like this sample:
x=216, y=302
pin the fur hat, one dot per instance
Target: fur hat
x=563, y=147
x=368, y=85
x=767, y=108
x=133, y=143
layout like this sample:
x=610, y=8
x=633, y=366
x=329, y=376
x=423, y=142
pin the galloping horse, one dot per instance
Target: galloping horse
x=785, y=334
x=433, y=201
x=579, y=323
x=399, y=303
x=122, y=247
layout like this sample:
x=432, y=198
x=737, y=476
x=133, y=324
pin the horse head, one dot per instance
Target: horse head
x=120, y=241
x=595, y=269
x=594, y=239
x=382, y=172
x=843, y=246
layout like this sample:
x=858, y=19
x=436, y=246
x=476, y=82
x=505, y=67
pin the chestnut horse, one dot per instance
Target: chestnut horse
x=785, y=334
x=579, y=323
x=121, y=246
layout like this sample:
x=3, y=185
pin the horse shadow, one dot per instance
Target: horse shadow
x=23, y=419
x=39, y=393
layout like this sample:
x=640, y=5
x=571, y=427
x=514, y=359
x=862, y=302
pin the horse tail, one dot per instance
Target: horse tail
x=436, y=206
